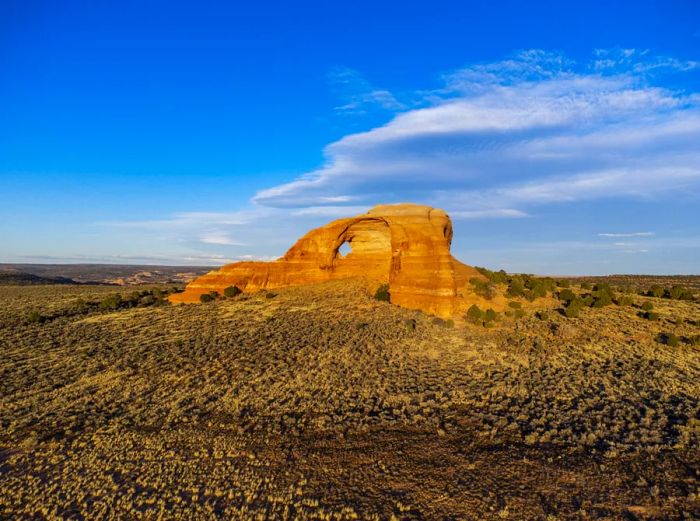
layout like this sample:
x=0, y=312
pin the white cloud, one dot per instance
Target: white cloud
x=501, y=138
x=216, y=237
x=358, y=94
x=633, y=234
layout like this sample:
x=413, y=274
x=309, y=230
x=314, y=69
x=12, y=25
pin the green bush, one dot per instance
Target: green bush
x=205, y=297
x=585, y=286
x=567, y=295
x=34, y=317
x=650, y=315
x=516, y=287
x=515, y=305
x=624, y=300
x=573, y=308
x=680, y=293
x=111, y=302
x=496, y=277
x=564, y=283
x=483, y=288
x=490, y=315
x=443, y=323
x=601, y=300
x=474, y=314
x=382, y=294
x=232, y=291
x=656, y=291
x=668, y=339
x=647, y=306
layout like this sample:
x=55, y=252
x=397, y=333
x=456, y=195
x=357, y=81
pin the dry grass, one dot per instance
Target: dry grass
x=321, y=403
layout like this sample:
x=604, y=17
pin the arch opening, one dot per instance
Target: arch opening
x=344, y=250
x=365, y=249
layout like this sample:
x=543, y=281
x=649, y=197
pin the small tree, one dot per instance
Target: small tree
x=516, y=288
x=573, y=309
x=232, y=291
x=490, y=315
x=566, y=295
x=474, y=314
x=382, y=294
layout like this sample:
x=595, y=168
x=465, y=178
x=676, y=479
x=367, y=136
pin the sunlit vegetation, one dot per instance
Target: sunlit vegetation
x=382, y=294
x=322, y=403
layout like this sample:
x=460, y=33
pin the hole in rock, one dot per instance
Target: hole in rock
x=344, y=249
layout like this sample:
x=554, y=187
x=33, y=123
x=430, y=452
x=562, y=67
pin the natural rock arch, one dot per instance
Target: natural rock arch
x=404, y=245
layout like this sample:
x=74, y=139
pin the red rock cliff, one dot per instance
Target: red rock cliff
x=404, y=245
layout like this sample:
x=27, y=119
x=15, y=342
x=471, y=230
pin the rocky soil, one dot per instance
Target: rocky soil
x=322, y=403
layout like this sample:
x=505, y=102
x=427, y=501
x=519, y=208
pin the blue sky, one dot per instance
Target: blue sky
x=562, y=137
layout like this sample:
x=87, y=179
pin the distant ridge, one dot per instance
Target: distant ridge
x=20, y=278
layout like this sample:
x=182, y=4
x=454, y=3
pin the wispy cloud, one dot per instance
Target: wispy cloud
x=632, y=234
x=358, y=94
x=217, y=237
x=499, y=139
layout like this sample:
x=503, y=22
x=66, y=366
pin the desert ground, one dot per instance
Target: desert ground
x=321, y=402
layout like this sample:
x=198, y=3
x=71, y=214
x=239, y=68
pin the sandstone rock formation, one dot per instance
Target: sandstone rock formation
x=404, y=245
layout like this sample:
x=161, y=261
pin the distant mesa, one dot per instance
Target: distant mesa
x=405, y=245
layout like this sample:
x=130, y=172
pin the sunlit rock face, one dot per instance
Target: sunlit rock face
x=404, y=245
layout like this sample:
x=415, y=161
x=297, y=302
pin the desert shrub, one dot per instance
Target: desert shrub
x=490, y=315
x=624, y=300
x=542, y=315
x=516, y=287
x=270, y=294
x=515, y=305
x=540, y=286
x=147, y=300
x=34, y=317
x=669, y=339
x=519, y=313
x=647, y=306
x=573, y=308
x=694, y=340
x=111, y=302
x=382, y=294
x=483, y=288
x=443, y=323
x=656, y=291
x=679, y=293
x=80, y=306
x=585, y=286
x=601, y=300
x=650, y=315
x=602, y=296
x=232, y=291
x=496, y=277
x=410, y=324
x=567, y=295
x=564, y=283
x=205, y=297
x=474, y=314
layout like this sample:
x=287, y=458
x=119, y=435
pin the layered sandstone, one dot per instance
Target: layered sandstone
x=404, y=245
